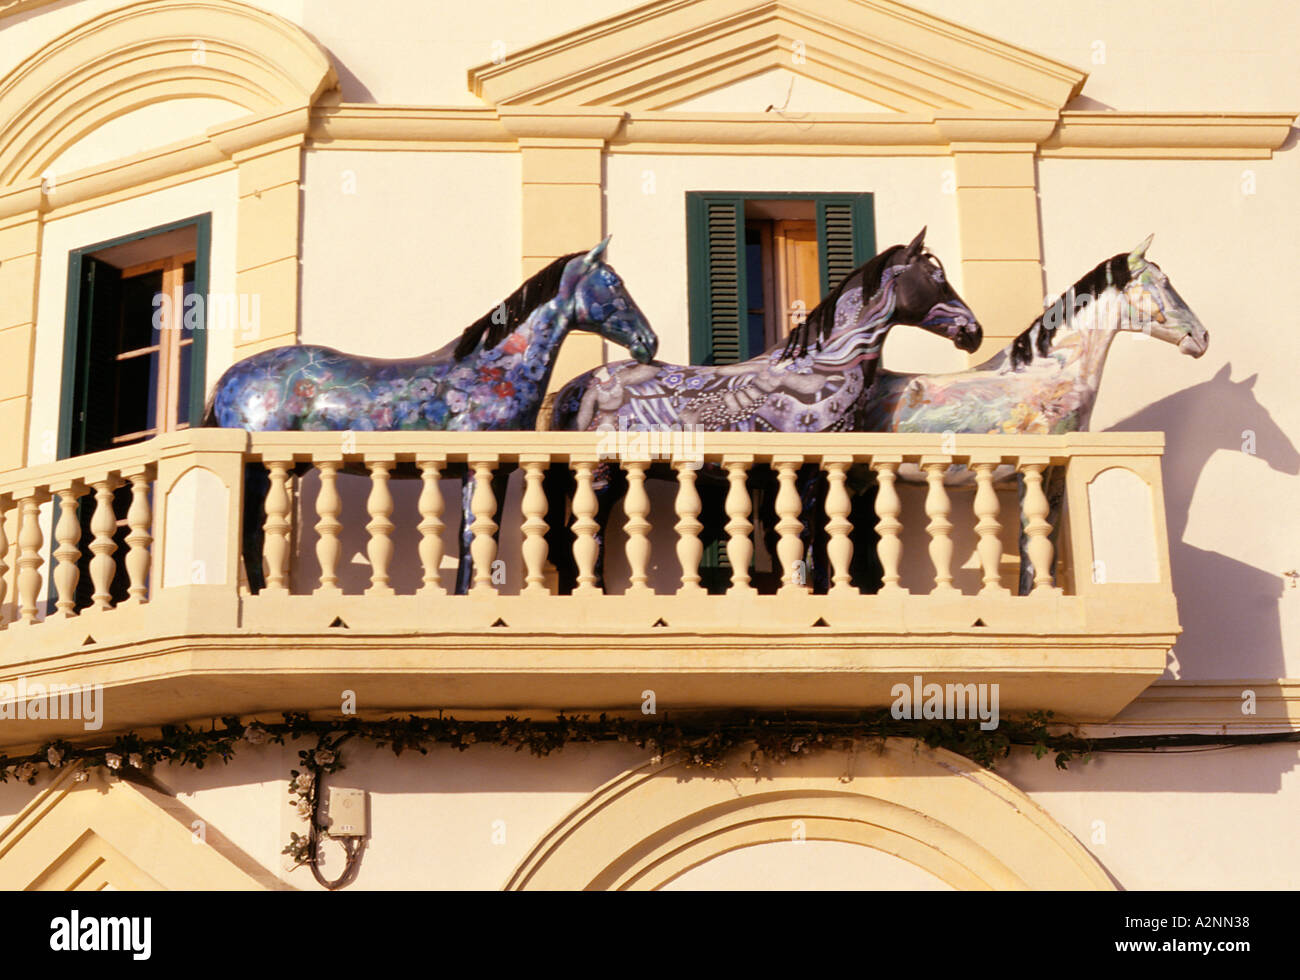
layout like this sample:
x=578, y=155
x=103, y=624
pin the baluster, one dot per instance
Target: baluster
x=276, y=528
x=430, y=527
x=483, y=505
x=740, y=547
x=989, y=529
x=68, y=534
x=585, y=547
x=139, y=521
x=328, y=526
x=1037, y=528
x=838, y=507
x=4, y=561
x=889, y=527
x=30, y=540
x=379, y=505
x=937, y=508
x=687, y=506
x=789, y=547
x=103, y=524
x=534, y=547
x=637, y=507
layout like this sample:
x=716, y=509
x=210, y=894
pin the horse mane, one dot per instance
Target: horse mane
x=821, y=321
x=537, y=289
x=1109, y=272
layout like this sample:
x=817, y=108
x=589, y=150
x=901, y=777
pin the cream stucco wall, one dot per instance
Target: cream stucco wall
x=1199, y=821
x=1154, y=56
x=426, y=242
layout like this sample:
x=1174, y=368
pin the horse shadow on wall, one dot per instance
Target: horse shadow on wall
x=1228, y=609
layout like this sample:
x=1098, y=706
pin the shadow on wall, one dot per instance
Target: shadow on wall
x=1228, y=609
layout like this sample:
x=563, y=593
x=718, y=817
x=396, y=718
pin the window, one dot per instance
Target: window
x=757, y=263
x=134, y=351
x=134, y=346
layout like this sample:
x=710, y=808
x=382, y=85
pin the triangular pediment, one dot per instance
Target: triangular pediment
x=111, y=834
x=670, y=54
x=778, y=90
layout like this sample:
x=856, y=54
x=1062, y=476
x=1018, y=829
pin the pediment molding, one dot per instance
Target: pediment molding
x=147, y=53
x=102, y=833
x=670, y=51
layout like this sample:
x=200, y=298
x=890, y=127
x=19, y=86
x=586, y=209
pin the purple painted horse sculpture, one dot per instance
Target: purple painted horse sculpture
x=816, y=381
x=492, y=377
x=1046, y=380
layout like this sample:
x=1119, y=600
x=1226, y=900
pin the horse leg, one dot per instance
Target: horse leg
x=763, y=483
x=465, y=570
x=257, y=484
x=610, y=487
x=812, y=491
x=558, y=485
x=865, y=570
x=713, y=518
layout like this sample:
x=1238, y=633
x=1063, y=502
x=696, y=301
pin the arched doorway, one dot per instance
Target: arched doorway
x=956, y=822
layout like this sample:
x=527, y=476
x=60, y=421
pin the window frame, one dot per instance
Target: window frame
x=73, y=316
x=699, y=292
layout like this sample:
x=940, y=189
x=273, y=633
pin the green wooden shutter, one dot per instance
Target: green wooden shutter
x=199, y=355
x=99, y=312
x=846, y=235
x=715, y=246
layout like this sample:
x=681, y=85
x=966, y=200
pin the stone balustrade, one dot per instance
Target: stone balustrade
x=134, y=555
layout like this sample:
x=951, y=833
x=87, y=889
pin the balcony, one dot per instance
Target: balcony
x=359, y=582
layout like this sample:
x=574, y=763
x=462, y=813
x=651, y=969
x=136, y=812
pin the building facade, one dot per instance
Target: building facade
x=186, y=184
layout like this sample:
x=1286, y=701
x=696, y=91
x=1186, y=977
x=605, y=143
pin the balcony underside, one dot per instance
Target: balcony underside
x=199, y=653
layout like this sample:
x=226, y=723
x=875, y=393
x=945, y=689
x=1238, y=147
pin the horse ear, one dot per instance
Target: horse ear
x=1249, y=382
x=1137, y=258
x=592, y=257
x=914, y=249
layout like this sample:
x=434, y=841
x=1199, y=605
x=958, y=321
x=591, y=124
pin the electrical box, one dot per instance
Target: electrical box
x=347, y=812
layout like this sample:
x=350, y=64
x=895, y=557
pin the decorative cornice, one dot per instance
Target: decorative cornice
x=1169, y=134
x=1181, y=135
x=1213, y=706
x=668, y=51
x=351, y=121
x=532, y=122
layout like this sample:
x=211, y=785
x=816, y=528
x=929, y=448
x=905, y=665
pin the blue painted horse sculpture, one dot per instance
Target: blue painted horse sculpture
x=813, y=382
x=1046, y=381
x=492, y=377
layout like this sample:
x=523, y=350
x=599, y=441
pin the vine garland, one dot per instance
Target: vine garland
x=701, y=744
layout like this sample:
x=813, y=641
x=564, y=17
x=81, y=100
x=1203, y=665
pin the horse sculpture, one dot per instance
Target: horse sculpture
x=813, y=382
x=492, y=377
x=1046, y=381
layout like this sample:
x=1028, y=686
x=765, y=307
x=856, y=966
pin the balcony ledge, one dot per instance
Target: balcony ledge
x=176, y=651
x=200, y=653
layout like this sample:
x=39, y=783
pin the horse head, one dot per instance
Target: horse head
x=602, y=304
x=923, y=297
x=1153, y=306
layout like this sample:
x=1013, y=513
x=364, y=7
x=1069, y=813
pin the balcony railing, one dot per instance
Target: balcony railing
x=359, y=590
